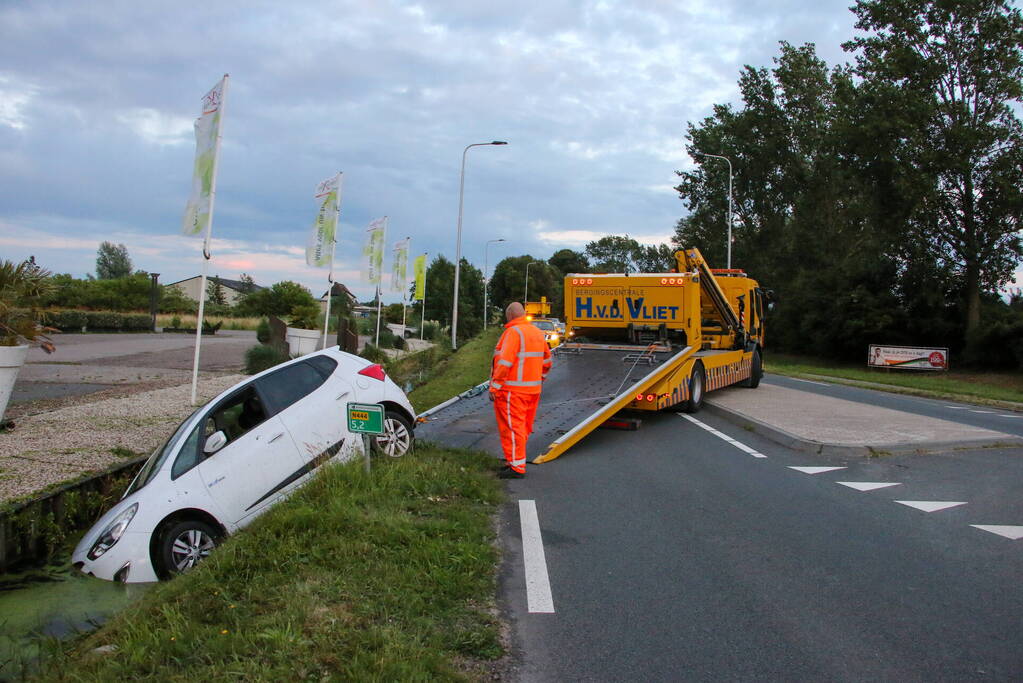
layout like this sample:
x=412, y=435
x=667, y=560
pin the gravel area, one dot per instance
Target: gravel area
x=68, y=441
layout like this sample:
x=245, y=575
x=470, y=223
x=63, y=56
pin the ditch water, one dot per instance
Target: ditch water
x=52, y=602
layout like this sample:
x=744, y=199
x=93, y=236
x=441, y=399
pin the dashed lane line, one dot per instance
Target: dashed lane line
x=931, y=505
x=868, y=485
x=724, y=437
x=815, y=470
x=538, y=585
x=808, y=381
x=1013, y=533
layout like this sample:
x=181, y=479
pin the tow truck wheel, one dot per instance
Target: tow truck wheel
x=756, y=371
x=697, y=382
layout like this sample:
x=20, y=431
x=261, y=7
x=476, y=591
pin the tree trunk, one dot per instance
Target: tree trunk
x=972, y=295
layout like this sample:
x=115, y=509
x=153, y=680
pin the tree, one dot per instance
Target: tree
x=508, y=283
x=568, y=261
x=957, y=67
x=278, y=300
x=613, y=254
x=247, y=283
x=655, y=258
x=112, y=261
x=215, y=291
x=440, y=286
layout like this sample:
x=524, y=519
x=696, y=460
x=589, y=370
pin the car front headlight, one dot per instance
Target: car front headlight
x=113, y=532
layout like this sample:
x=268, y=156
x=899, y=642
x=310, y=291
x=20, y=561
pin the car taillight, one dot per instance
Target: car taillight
x=374, y=371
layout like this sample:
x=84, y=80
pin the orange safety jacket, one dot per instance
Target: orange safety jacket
x=522, y=358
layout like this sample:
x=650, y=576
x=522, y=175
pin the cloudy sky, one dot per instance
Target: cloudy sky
x=97, y=102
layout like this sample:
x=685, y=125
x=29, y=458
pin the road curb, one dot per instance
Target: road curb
x=833, y=450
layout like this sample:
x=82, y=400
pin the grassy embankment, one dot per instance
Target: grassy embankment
x=447, y=374
x=977, y=387
x=386, y=576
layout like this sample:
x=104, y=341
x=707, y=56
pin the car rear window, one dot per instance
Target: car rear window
x=325, y=364
x=290, y=385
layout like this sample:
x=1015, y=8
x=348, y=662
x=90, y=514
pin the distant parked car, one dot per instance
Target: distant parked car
x=234, y=457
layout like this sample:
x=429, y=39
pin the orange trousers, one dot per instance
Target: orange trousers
x=515, y=413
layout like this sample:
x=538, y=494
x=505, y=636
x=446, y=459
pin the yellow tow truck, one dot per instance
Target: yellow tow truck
x=697, y=329
x=536, y=313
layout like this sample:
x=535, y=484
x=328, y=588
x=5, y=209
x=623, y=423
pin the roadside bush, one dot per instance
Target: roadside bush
x=398, y=343
x=431, y=330
x=262, y=357
x=373, y=354
x=211, y=328
x=67, y=321
x=263, y=331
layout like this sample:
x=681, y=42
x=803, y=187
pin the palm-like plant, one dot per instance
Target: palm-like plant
x=21, y=287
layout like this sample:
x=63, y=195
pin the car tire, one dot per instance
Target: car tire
x=398, y=438
x=755, y=373
x=184, y=544
x=697, y=388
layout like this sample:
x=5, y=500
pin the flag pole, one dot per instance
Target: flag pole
x=383, y=238
x=422, y=323
x=404, y=292
x=333, y=248
x=206, y=242
x=377, y=341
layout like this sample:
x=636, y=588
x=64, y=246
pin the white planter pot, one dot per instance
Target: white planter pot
x=11, y=360
x=301, y=342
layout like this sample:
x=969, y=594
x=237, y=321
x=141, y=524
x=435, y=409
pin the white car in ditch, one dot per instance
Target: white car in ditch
x=234, y=457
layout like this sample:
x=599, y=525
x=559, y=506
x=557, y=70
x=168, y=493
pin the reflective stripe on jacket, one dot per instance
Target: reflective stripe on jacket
x=522, y=358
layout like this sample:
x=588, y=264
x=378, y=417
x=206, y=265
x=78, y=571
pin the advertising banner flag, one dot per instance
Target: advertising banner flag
x=399, y=267
x=419, y=270
x=207, y=131
x=373, y=252
x=320, y=250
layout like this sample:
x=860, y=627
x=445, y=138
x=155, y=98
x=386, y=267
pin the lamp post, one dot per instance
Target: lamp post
x=458, y=241
x=525, y=296
x=716, y=156
x=486, y=268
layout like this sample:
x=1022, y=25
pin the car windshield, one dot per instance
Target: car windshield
x=159, y=456
x=544, y=325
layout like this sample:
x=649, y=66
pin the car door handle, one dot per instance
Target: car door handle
x=276, y=437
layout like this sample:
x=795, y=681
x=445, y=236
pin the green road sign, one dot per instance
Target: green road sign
x=365, y=418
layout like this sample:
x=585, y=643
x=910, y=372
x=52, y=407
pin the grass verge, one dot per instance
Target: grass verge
x=462, y=370
x=386, y=576
x=979, y=387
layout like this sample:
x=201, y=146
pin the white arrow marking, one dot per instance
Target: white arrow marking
x=538, y=584
x=868, y=485
x=814, y=470
x=1012, y=532
x=930, y=505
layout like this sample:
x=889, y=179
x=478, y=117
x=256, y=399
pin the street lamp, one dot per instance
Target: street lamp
x=525, y=296
x=486, y=268
x=458, y=241
x=715, y=156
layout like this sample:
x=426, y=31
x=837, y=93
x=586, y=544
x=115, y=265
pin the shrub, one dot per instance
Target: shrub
x=431, y=330
x=67, y=321
x=104, y=320
x=398, y=343
x=373, y=354
x=263, y=331
x=305, y=317
x=176, y=323
x=208, y=328
x=261, y=357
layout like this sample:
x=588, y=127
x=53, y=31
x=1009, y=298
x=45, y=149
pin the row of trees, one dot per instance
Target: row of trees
x=881, y=200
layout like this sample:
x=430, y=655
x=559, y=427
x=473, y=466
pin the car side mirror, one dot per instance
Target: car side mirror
x=214, y=442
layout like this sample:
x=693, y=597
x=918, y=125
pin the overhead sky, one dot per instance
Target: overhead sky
x=97, y=102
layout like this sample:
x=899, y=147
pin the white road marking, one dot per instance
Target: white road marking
x=820, y=384
x=1011, y=532
x=814, y=470
x=985, y=412
x=958, y=407
x=931, y=505
x=1011, y=416
x=724, y=437
x=868, y=485
x=538, y=584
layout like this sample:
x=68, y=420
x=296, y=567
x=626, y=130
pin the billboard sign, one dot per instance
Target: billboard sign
x=907, y=357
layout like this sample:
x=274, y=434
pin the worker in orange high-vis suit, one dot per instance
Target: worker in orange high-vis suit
x=522, y=360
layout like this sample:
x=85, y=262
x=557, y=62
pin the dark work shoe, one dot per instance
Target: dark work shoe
x=509, y=473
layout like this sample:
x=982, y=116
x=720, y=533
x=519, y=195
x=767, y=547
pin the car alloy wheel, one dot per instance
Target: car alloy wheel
x=397, y=438
x=186, y=544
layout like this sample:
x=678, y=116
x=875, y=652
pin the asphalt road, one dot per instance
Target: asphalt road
x=674, y=555
x=986, y=417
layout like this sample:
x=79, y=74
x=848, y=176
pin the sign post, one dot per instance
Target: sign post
x=365, y=419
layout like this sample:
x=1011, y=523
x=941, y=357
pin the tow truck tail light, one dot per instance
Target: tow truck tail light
x=639, y=397
x=374, y=371
x=650, y=397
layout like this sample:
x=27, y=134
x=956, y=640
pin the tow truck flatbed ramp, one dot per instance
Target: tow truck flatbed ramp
x=582, y=390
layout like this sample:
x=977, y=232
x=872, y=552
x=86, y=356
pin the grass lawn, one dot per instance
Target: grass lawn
x=984, y=387
x=384, y=577
x=462, y=370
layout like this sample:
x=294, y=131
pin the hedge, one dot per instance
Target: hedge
x=74, y=321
